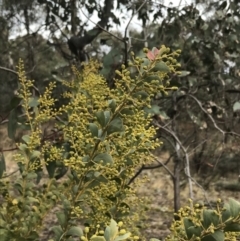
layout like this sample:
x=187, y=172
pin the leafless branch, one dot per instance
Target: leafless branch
x=187, y=166
x=99, y=26
x=16, y=73
x=10, y=174
x=211, y=118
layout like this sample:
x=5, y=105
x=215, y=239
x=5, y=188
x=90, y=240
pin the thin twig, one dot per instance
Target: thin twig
x=211, y=118
x=10, y=174
x=16, y=73
x=126, y=30
x=99, y=26
x=165, y=167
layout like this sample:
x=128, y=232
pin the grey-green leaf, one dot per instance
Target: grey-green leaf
x=184, y=73
x=33, y=102
x=105, y=157
x=234, y=207
x=112, y=105
x=116, y=125
x=94, y=129
x=155, y=109
x=107, y=115
x=58, y=232
x=111, y=231
x=162, y=67
x=216, y=236
x=75, y=231
x=61, y=218
x=122, y=237
x=97, y=238
x=101, y=118
x=26, y=138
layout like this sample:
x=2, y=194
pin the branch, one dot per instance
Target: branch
x=211, y=118
x=187, y=168
x=152, y=167
x=9, y=70
x=99, y=26
x=77, y=43
x=126, y=30
x=16, y=73
x=10, y=174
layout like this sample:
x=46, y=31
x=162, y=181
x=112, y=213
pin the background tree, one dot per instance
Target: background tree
x=199, y=123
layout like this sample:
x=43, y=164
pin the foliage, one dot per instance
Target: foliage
x=102, y=137
x=207, y=33
x=202, y=116
x=200, y=223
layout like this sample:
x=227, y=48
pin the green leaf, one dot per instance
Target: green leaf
x=62, y=220
x=33, y=236
x=31, y=175
x=58, y=232
x=75, y=189
x=162, y=67
x=226, y=214
x=94, y=129
x=5, y=235
x=32, y=200
x=101, y=118
x=234, y=207
x=232, y=227
x=107, y=115
x=216, y=236
x=102, y=135
x=150, y=78
x=123, y=237
x=141, y=94
x=195, y=231
x=111, y=231
x=35, y=154
x=71, y=239
x=23, y=147
x=2, y=164
x=127, y=111
x=210, y=217
x=33, y=102
x=184, y=73
x=97, y=238
x=97, y=174
x=112, y=105
x=155, y=110
x=236, y=106
x=12, y=124
x=105, y=157
x=51, y=167
x=187, y=224
x=116, y=125
x=15, y=101
x=26, y=138
x=75, y=231
x=18, y=187
x=112, y=57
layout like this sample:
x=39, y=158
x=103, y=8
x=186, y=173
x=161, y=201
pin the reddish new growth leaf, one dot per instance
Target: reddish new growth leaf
x=151, y=55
